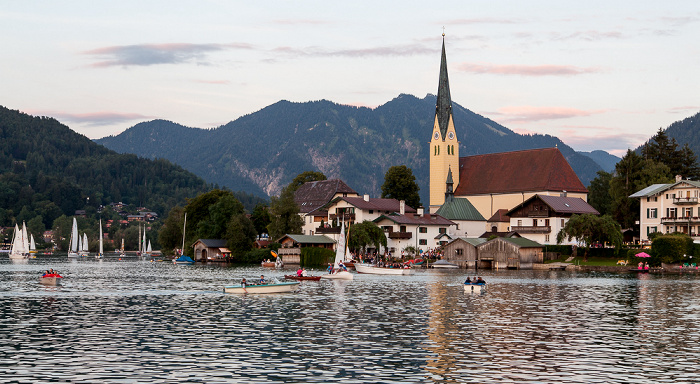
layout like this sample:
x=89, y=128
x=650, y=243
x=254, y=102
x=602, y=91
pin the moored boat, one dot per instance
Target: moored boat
x=444, y=264
x=183, y=260
x=51, y=279
x=263, y=288
x=373, y=269
x=341, y=275
x=295, y=277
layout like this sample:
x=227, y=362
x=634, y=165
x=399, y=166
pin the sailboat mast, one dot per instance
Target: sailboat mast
x=184, y=226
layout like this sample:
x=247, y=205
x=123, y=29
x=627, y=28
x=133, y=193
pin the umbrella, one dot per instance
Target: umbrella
x=643, y=254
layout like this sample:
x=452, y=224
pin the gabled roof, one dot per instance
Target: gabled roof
x=471, y=240
x=658, y=188
x=314, y=194
x=459, y=209
x=486, y=235
x=519, y=171
x=501, y=216
x=377, y=204
x=520, y=242
x=560, y=204
x=309, y=239
x=416, y=219
x=212, y=243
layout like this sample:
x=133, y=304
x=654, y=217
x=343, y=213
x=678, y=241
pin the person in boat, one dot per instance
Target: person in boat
x=243, y=283
x=300, y=272
x=640, y=265
x=468, y=281
x=303, y=272
x=342, y=266
x=45, y=273
x=330, y=268
x=480, y=280
x=262, y=279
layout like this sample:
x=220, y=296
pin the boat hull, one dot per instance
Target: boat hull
x=53, y=281
x=343, y=275
x=474, y=287
x=295, y=277
x=364, y=268
x=266, y=288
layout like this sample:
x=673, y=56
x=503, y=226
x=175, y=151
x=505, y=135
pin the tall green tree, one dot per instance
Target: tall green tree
x=260, y=218
x=170, y=235
x=400, y=184
x=305, y=177
x=599, y=192
x=590, y=229
x=240, y=234
x=361, y=235
x=284, y=215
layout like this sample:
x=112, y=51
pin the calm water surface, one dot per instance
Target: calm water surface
x=137, y=321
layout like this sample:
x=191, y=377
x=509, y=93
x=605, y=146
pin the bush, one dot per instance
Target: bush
x=315, y=256
x=632, y=253
x=255, y=256
x=671, y=248
x=564, y=250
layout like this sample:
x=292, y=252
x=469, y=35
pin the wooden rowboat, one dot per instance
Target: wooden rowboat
x=263, y=288
x=295, y=277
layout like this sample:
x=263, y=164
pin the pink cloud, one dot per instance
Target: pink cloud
x=390, y=51
x=525, y=70
x=525, y=114
x=685, y=109
x=92, y=119
x=152, y=54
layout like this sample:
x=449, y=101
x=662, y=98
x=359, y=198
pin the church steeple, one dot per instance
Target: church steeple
x=449, y=191
x=443, y=108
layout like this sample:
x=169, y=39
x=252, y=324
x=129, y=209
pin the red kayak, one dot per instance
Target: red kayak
x=295, y=277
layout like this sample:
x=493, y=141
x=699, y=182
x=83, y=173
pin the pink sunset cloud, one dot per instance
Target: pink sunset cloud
x=525, y=70
x=526, y=114
x=153, y=54
x=685, y=109
x=92, y=119
x=385, y=51
x=606, y=139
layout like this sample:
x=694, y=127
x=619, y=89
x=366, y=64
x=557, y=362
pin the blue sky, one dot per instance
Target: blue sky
x=598, y=74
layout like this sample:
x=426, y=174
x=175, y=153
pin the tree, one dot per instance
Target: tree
x=220, y=213
x=170, y=235
x=260, y=218
x=590, y=229
x=400, y=184
x=305, y=177
x=599, y=192
x=284, y=215
x=240, y=234
x=361, y=235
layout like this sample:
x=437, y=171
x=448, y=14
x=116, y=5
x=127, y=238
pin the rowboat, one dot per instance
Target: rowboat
x=342, y=275
x=295, y=277
x=474, y=287
x=268, y=264
x=367, y=268
x=51, y=279
x=263, y=288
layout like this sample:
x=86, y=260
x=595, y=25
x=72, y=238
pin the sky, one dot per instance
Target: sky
x=597, y=74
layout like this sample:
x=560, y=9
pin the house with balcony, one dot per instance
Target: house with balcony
x=423, y=231
x=541, y=217
x=669, y=208
x=312, y=197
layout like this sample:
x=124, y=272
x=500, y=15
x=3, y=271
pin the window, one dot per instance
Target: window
x=422, y=229
x=402, y=228
x=546, y=222
x=652, y=213
x=520, y=223
x=459, y=251
x=651, y=230
x=534, y=222
x=563, y=223
x=423, y=242
x=671, y=212
x=371, y=211
x=442, y=230
x=546, y=238
x=688, y=212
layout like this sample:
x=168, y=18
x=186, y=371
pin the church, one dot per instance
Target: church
x=490, y=182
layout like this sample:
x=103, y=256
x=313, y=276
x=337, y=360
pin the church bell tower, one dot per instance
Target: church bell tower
x=444, y=147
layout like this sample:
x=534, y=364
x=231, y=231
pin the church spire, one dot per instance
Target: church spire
x=443, y=108
x=449, y=191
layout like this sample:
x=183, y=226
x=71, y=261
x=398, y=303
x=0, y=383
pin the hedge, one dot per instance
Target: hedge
x=316, y=256
x=671, y=248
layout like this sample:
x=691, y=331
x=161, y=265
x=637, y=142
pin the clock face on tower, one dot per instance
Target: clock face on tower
x=451, y=135
x=436, y=135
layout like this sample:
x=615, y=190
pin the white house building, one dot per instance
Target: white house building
x=423, y=231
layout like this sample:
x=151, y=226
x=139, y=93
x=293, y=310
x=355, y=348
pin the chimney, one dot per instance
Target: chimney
x=679, y=178
x=420, y=211
x=402, y=207
x=366, y=197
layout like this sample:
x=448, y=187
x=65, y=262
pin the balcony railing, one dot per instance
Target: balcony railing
x=400, y=235
x=685, y=200
x=328, y=230
x=538, y=214
x=682, y=219
x=342, y=216
x=531, y=229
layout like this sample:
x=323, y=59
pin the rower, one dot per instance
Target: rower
x=468, y=281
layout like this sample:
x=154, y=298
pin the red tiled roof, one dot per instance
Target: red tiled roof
x=520, y=171
x=501, y=216
x=314, y=194
x=561, y=204
x=378, y=204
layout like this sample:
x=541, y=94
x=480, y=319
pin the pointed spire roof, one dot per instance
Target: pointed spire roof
x=443, y=108
x=449, y=176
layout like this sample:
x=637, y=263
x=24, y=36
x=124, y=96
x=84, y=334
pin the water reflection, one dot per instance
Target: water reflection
x=117, y=321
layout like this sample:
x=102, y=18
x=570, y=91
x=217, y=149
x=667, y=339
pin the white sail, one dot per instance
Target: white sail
x=25, y=239
x=149, y=249
x=143, y=244
x=16, y=252
x=32, y=244
x=85, y=243
x=340, y=249
x=74, y=239
x=101, y=240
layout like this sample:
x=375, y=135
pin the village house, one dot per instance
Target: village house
x=540, y=218
x=423, y=231
x=669, y=208
x=462, y=251
x=312, y=196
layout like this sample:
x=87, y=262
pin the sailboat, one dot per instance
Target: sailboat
x=20, y=246
x=74, y=246
x=32, y=244
x=121, y=251
x=183, y=259
x=84, y=250
x=143, y=249
x=100, y=254
x=338, y=272
x=149, y=250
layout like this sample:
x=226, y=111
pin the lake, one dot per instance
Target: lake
x=139, y=321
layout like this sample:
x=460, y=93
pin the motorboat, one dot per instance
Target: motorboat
x=444, y=264
x=263, y=288
x=183, y=260
x=373, y=269
x=478, y=287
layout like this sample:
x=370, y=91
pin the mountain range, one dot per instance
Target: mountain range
x=262, y=152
